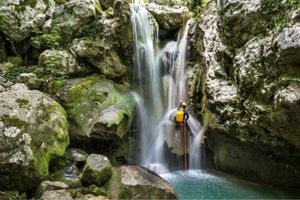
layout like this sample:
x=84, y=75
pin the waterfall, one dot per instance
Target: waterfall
x=159, y=76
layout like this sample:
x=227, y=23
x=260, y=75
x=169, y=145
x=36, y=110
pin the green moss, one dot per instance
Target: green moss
x=21, y=7
x=97, y=190
x=113, y=185
x=295, y=3
x=14, y=121
x=125, y=193
x=54, y=141
x=23, y=103
x=92, y=176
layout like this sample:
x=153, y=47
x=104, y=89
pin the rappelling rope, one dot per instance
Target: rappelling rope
x=185, y=146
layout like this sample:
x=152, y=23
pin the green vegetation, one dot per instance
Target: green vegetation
x=51, y=40
x=21, y=7
x=295, y=3
x=90, y=30
x=195, y=5
x=98, y=7
x=15, y=71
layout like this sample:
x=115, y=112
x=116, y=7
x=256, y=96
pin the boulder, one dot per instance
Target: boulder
x=72, y=15
x=61, y=63
x=76, y=155
x=57, y=195
x=50, y=186
x=96, y=109
x=288, y=44
x=122, y=27
x=99, y=55
x=33, y=128
x=97, y=170
x=30, y=79
x=68, y=175
x=285, y=121
x=89, y=47
x=169, y=18
x=19, y=18
x=110, y=66
x=18, y=86
x=133, y=182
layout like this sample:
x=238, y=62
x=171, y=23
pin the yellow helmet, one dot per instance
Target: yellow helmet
x=183, y=103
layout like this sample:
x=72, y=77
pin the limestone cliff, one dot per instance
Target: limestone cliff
x=245, y=87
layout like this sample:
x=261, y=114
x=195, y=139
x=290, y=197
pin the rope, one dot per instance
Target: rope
x=185, y=146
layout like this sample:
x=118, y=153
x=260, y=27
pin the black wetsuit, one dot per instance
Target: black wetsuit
x=186, y=115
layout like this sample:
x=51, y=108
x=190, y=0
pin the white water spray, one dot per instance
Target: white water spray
x=160, y=85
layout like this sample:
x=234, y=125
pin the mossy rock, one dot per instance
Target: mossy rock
x=18, y=19
x=97, y=170
x=33, y=129
x=133, y=182
x=88, y=102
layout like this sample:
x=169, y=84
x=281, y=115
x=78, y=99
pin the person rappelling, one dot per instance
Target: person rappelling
x=182, y=115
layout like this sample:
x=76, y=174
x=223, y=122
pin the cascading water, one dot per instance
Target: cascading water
x=160, y=85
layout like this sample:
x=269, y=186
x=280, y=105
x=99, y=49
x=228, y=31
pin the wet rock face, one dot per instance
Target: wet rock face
x=254, y=162
x=133, y=182
x=33, y=128
x=248, y=86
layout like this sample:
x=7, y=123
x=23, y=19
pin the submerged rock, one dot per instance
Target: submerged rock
x=133, y=182
x=97, y=170
x=33, y=128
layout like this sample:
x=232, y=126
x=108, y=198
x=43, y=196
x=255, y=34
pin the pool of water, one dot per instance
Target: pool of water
x=200, y=184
